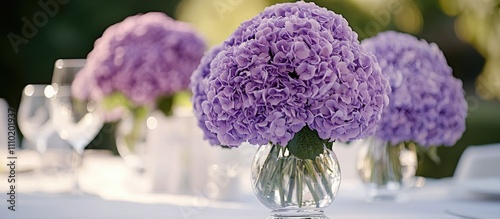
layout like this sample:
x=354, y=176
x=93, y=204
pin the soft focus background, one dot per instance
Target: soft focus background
x=36, y=33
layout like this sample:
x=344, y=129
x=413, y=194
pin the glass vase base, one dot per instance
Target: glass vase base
x=300, y=214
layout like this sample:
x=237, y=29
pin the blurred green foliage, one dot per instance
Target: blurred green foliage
x=478, y=22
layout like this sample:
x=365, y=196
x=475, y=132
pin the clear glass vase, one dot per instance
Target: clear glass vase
x=386, y=169
x=130, y=136
x=292, y=187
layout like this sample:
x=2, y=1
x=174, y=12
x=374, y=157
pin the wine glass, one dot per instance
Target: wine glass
x=55, y=172
x=34, y=115
x=77, y=121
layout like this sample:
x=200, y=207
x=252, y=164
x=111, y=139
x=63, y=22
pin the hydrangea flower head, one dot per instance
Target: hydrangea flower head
x=199, y=81
x=143, y=57
x=293, y=65
x=427, y=103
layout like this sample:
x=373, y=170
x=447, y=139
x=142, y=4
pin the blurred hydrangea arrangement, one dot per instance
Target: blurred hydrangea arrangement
x=140, y=64
x=427, y=108
x=427, y=104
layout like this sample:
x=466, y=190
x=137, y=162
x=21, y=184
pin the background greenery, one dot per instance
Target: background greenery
x=463, y=30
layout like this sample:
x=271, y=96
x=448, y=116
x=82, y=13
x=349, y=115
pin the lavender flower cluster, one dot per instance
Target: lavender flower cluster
x=293, y=65
x=143, y=57
x=199, y=81
x=427, y=102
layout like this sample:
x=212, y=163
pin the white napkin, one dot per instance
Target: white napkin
x=479, y=161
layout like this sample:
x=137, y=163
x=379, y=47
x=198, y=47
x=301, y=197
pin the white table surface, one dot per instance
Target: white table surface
x=111, y=197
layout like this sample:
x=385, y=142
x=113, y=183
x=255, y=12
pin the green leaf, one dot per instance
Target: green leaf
x=424, y=152
x=115, y=100
x=433, y=155
x=182, y=99
x=165, y=104
x=141, y=112
x=306, y=144
x=179, y=99
x=139, y=115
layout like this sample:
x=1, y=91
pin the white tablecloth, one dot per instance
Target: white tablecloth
x=112, y=196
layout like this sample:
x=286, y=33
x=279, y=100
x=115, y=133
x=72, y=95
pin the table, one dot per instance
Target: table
x=105, y=178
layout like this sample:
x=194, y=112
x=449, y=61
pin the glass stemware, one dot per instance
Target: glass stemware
x=34, y=115
x=76, y=121
x=54, y=172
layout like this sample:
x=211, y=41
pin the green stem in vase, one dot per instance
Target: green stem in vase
x=263, y=175
x=139, y=116
x=323, y=162
x=312, y=187
x=299, y=182
x=268, y=182
x=287, y=174
x=287, y=178
x=321, y=172
x=281, y=177
x=293, y=178
x=395, y=164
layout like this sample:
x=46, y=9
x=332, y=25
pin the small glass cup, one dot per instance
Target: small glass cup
x=57, y=173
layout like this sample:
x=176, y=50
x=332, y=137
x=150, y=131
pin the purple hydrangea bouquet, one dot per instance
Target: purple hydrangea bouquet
x=427, y=108
x=139, y=65
x=141, y=62
x=293, y=79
